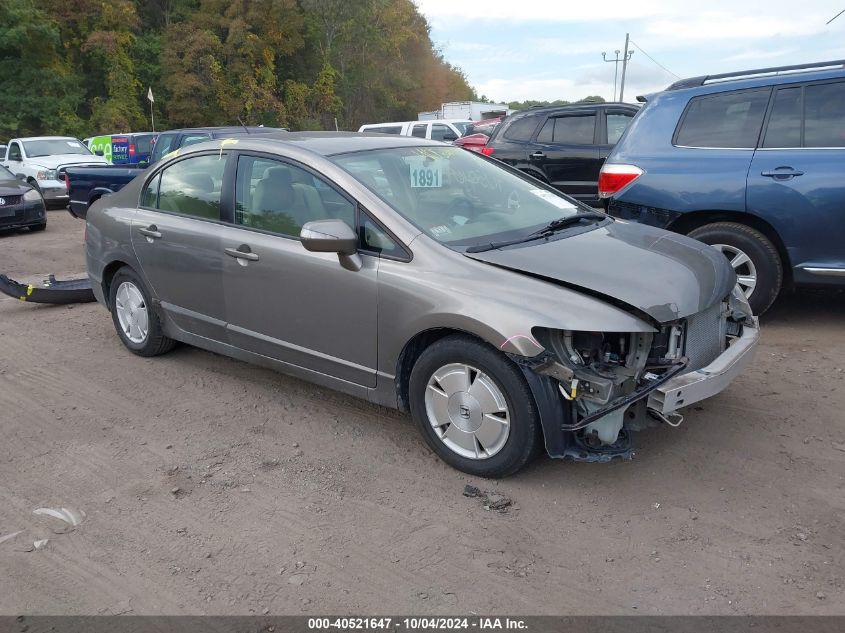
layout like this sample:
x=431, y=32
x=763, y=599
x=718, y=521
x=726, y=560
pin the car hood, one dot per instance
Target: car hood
x=665, y=275
x=55, y=160
x=12, y=187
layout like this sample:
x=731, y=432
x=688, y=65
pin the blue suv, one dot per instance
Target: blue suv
x=752, y=163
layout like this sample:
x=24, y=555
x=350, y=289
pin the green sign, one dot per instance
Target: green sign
x=101, y=144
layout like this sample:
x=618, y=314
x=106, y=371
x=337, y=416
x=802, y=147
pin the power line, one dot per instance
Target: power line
x=834, y=17
x=654, y=60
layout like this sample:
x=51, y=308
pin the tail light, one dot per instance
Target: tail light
x=614, y=178
x=67, y=182
x=131, y=150
x=487, y=151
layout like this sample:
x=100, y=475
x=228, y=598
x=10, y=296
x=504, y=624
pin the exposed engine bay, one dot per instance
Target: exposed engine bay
x=606, y=377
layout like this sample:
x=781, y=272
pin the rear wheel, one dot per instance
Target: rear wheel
x=137, y=324
x=752, y=255
x=474, y=408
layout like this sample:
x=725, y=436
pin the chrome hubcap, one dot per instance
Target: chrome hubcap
x=746, y=272
x=467, y=411
x=132, y=312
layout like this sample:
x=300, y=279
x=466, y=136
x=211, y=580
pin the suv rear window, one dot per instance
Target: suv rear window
x=522, y=129
x=730, y=120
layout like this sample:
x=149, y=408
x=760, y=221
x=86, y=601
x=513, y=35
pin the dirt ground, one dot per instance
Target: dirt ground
x=211, y=486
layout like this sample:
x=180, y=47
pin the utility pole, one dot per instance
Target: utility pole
x=625, y=57
x=615, y=61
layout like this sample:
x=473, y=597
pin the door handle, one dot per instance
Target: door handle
x=151, y=231
x=538, y=154
x=782, y=173
x=239, y=254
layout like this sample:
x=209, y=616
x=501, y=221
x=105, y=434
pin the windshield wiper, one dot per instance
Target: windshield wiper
x=551, y=228
x=562, y=223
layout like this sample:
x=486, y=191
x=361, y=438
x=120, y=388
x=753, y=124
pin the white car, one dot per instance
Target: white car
x=446, y=130
x=41, y=161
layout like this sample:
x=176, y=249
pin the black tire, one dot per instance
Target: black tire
x=758, y=248
x=156, y=342
x=525, y=436
x=38, y=227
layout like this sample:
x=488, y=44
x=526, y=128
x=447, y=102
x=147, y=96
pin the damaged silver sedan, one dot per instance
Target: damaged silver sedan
x=502, y=315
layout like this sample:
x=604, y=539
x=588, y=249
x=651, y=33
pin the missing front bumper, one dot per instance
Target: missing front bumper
x=688, y=388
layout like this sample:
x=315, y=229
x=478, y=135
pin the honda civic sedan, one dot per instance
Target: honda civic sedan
x=505, y=317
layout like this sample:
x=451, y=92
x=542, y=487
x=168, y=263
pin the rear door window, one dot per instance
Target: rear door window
x=728, y=120
x=419, y=130
x=784, y=127
x=616, y=124
x=521, y=129
x=192, y=186
x=568, y=130
x=824, y=115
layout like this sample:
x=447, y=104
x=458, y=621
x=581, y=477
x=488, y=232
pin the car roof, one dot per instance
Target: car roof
x=46, y=138
x=755, y=78
x=587, y=105
x=223, y=129
x=327, y=143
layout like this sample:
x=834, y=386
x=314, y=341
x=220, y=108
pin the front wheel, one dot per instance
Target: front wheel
x=474, y=408
x=755, y=260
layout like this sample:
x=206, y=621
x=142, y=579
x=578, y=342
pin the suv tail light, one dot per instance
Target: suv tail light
x=67, y=182
x=131, y=149
x=614, y=178
x=487, y=151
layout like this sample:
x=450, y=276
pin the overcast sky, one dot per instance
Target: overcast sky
x=512, y=50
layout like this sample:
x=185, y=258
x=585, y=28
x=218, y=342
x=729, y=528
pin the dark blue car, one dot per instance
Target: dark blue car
x=752, y=163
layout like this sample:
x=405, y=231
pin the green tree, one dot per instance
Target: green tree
x=38, y=89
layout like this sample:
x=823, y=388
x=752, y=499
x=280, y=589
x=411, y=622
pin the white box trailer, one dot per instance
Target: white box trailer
x=463, y=110
x=474, y=110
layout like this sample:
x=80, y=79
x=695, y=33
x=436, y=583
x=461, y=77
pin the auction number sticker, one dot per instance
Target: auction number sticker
x=551, y=198
x=426, y=172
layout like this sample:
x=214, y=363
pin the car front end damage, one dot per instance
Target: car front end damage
x=594, y=388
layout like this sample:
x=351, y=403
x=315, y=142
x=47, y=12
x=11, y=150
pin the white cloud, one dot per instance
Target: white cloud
x=755, y=55
x=537, y=10
x=733, y=25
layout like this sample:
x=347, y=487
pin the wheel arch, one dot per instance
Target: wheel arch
x=687, y=222
x=108, y=275
x=411, y=352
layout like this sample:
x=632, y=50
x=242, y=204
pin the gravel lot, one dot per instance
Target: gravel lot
x=210, y=486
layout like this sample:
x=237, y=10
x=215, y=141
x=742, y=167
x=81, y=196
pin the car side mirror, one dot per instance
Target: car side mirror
x=21, y=177
x=99, y=152
x=332, y=236
x=450, y=137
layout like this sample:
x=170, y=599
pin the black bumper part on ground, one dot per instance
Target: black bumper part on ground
x=53, y=291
